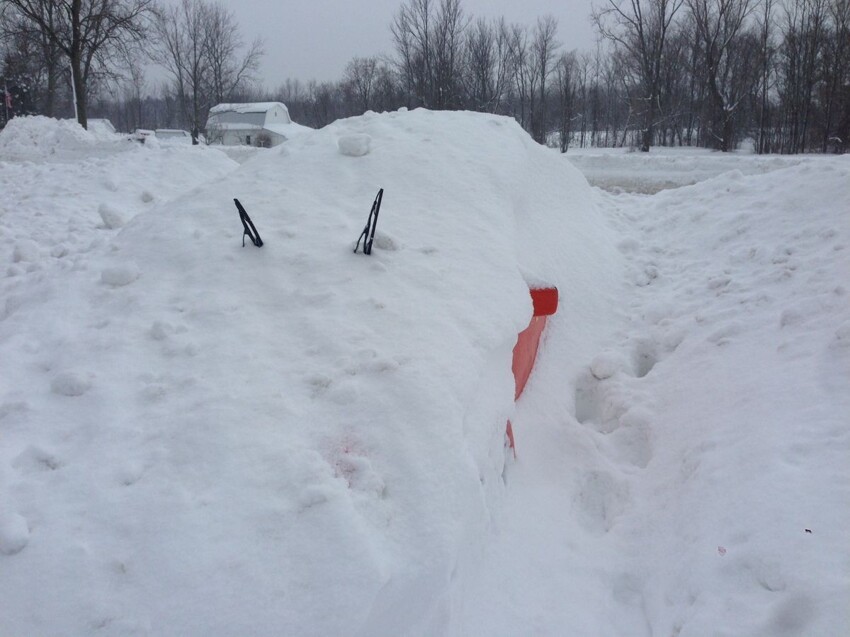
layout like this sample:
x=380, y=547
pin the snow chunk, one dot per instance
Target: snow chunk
x=14, y=533
x=355, y=145
x=606, y=365
x=70, y=383
x=120, y=275
x=112, y=219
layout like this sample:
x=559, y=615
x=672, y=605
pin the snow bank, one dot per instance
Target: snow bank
x=295, y=439
x=66, y=191
x=627, y=170
x=697, y=481
x=37, y=137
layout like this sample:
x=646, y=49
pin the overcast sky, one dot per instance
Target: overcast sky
x=314, y=39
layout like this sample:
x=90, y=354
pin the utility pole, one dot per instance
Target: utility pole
x=74, y=91
x=6, y=100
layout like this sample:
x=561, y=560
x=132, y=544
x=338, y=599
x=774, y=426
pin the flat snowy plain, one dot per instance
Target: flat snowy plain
x=198, y=438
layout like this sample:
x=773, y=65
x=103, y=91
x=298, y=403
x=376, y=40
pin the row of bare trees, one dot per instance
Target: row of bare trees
x=716, y=71
x=711, y=73
x=664, y=72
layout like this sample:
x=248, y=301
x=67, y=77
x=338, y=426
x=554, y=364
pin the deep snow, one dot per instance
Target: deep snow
x=199, y=438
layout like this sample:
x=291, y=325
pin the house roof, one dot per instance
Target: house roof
x=248, y=107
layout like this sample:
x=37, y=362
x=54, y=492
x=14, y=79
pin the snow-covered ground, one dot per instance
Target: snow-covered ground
x=198, y=438
x=627, y=170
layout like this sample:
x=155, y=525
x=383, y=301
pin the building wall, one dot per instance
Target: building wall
x=277, y=115
x=239, y=137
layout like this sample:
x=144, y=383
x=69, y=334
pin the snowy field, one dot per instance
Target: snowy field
x=198, y=438
x=627, y=170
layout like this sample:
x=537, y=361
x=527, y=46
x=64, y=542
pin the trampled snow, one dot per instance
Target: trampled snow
x=204, y=439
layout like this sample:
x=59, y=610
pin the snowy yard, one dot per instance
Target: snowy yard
x=198, y=438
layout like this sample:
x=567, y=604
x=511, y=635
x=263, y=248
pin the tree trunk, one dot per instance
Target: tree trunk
x=79, y=90
x=77, y=63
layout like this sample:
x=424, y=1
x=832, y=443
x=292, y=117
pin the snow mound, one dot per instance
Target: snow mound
x=35, y=137
x=298, y=417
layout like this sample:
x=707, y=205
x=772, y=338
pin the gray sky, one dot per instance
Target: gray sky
x=314, y=39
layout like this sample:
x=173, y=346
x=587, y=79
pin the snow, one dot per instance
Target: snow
x=288, y=130
x=354, y=145
x=247, y=107
x=200, y=438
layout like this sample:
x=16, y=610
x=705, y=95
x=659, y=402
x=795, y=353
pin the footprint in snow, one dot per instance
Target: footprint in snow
x=121, y=275
x=71, y=383
x=599, y=500
x=644, y=357
x=35, y=460
x=14, y=533
x=25, y=251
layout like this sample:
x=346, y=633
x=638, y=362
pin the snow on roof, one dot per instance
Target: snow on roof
x=248, y=107
x=231, y=126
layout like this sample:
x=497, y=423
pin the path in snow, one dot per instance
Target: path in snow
x=699, y=485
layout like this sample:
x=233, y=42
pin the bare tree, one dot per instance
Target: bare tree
x=486, y=68
x=836, y=71
x=200, y=46
x=543, y=50
x=766, y=53
x=718, y=27
x=184, y=52
x=523, y=79
x=565, y=83
x=361, y=75
x=230, y=69
x=640, y=29
x=412, y=33
x=801, y=54
x=33, y=53
x=428, y=42
x=87, y=32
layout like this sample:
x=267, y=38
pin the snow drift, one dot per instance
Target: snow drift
x=208, y=439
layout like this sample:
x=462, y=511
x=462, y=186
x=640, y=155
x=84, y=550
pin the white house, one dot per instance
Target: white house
x=257, y=124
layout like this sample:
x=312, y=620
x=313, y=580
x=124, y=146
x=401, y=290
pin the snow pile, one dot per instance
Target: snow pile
x=692, y=478
x=294, y=439
x=37, y=137
x=200, y=438
x=75, y=192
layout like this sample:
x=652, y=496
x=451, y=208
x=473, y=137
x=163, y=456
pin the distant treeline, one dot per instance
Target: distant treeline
x=711, y=73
